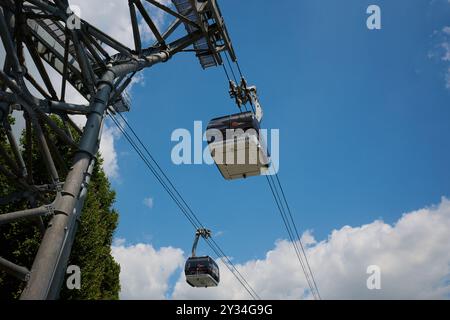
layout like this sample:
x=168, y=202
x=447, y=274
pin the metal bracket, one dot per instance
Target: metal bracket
x=243, y=94
x=50, y=210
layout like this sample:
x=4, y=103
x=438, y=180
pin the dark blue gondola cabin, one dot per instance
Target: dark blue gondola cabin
x=202, y=272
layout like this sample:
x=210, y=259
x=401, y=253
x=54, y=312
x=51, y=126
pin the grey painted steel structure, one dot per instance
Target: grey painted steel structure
x=98, y=67
x=205, y=234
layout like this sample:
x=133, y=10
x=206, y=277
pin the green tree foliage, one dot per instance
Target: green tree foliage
x=19, y=241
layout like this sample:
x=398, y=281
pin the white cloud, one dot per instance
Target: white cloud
x=149, y=202
x=446, y=54
x=159, y=18
x=446, y=30
x=413, y=254
x=108, y=151
x=119, y=242
x=145, y=271
x=113, y=18
x=441, y=51
x=447, y=79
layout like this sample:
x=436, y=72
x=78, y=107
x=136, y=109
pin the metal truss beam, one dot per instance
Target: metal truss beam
x=100, y=68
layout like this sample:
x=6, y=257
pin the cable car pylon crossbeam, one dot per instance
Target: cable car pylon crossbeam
x=38, y=32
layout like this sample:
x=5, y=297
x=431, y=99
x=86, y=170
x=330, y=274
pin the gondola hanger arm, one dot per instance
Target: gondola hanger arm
x=205, y=234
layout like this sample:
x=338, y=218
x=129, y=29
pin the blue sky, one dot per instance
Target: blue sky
x=364, y=128
x=363, y=118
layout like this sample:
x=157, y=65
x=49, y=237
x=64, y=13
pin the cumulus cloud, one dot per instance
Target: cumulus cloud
x=159, y=18
x=149, y=202
x=113, y=17
x=441, y=51
x=145, y=271
x=413, y=255
x=446, y=54
x=447, y=79
x=108, y=151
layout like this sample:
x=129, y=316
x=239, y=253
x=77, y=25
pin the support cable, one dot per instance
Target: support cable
x=179, y=200
x=298, y=235
x=239, y=69
x=281, y=203
x=231, y=68
x=226, y=73
x=286, y=214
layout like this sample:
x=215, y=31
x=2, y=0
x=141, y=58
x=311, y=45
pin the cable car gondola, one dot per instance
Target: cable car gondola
x=201, y=272
x=234, y=140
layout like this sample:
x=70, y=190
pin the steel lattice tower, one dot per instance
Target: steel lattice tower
x=100, y=69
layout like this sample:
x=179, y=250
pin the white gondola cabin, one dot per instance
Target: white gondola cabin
x=237, y=147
